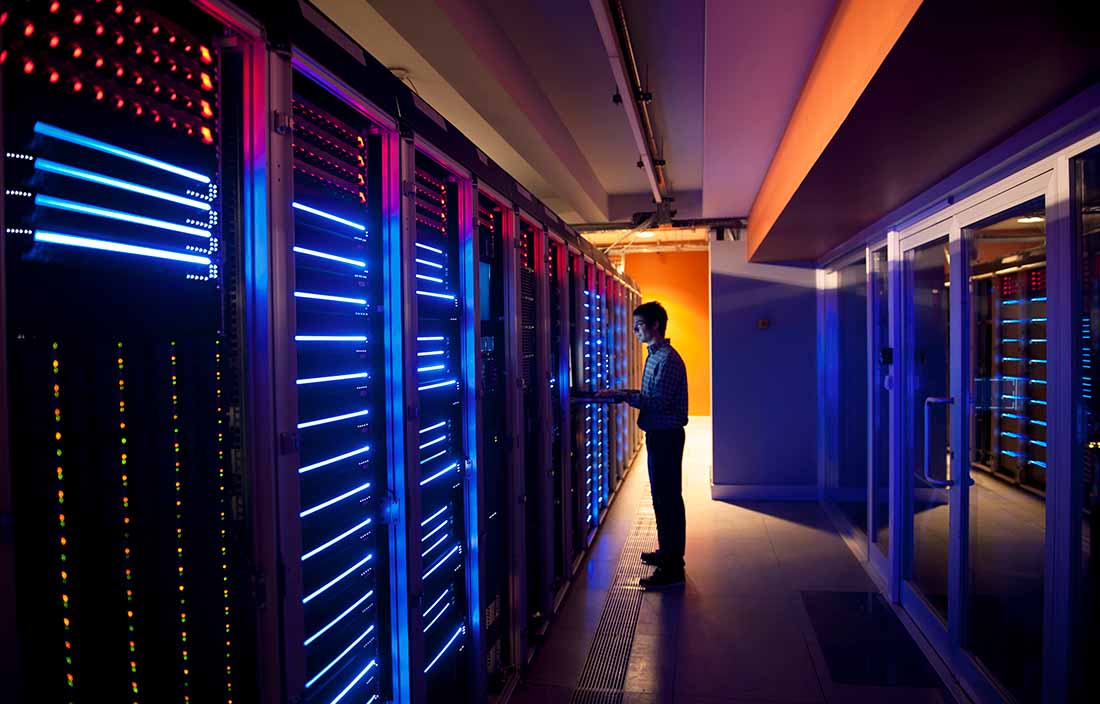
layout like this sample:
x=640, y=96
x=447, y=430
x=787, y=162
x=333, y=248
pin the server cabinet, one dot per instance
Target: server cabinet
x=560, y=422
x=498, y=433
x=121, y=272
x=445, y=623
x=537, y=497
x=329, y=278
x=579, y=362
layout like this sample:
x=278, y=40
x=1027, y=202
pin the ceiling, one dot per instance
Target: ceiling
x=529, y=81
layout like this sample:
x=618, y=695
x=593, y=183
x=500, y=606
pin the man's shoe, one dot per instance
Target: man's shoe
x=653, y=559
x=662, y=579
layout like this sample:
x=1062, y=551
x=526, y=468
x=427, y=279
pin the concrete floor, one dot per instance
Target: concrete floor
x=776, y=609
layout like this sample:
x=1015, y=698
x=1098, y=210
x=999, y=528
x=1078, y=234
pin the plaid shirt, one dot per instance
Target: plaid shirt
x=663, y=400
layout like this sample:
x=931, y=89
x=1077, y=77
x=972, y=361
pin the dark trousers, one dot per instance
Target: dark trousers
x=666, y=458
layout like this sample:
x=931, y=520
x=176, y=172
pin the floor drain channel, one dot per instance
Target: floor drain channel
x=604, y=674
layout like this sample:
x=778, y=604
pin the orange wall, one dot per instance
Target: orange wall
x=681, y=282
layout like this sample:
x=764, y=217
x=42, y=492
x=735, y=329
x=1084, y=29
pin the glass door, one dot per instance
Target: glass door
x=927, y=407
x=973, y=432
x=880, y=362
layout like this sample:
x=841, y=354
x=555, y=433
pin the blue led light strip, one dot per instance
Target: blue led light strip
x=330, y=338
x=436, y=456
x=329, y=216
x=96, y=211
x=52, y=167
x=361, y=675
x=433, y=279
x=108, y=246
x=430, y=249
x=434, y=516
x=332, y=419
x=334, y=500
x=436, y=441
x=329, y=544
x=432, y=264
x=436, y=602
x=337, y=579
x=340, y=657
x=430, y=428
x=439, y=474
x=337, y=620
x=437, y=616
x=438, y=528
x=445, y=296
x=327, y=297
x=338, y=377
x=331, y=257
x=437, y=544
x=437, y=385
x=446, y=647
x=57, y=133
x=430, y=339
x=333, y=460
x=431, y=368
x=441, y=562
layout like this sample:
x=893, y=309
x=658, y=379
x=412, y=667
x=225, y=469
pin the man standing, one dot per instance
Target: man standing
x=662, y=403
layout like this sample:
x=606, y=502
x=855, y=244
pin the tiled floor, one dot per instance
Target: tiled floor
x=776, y=609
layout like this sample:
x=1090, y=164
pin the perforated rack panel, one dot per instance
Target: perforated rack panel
x=341, y=403
x=129, y=516
x=442, y=414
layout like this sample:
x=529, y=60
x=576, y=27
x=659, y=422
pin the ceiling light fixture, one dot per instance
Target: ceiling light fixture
x=646, y=235
x=1030, y=219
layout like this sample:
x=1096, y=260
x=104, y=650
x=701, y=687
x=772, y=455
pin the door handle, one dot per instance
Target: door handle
x=928, y=403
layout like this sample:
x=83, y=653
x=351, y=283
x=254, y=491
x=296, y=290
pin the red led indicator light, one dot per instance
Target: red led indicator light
x=99, y=28
x=118, y=9
x=28, y=66
x=207, y=111
x=77, y=52
x=156, y=29
x=78, y=17
x=99, y=62
x=207, y=135
x=119, y=103
x=205, y=56
x=137, y=18
x=138, y=110
x=3, y=55
x=54, y=41
x=98, y=93
x=54, y=76
x=28, y=29
x=206, y=81
x=77, y=86
x=3, y=18
x=119, y=39
x=54, y=7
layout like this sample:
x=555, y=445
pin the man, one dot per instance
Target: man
x=663, y=406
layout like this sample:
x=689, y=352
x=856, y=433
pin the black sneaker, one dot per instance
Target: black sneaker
x=662, y=579
x=652, y=559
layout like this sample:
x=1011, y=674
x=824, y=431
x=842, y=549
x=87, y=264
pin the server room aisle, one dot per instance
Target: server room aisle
x=776, y=609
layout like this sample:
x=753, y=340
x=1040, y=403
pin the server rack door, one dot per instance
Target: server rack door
x=122, y=173
x=337, y=552
x=601, y=377
x=579, y=357
x=497, y=431
x=558, y=374
x=444, y=556
x=538, y=493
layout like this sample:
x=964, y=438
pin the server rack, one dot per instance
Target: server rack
x=561, y=437
x=120, y=271
x=1010, y=345
x=537, y=496
x=498, y=434
x=442, y=443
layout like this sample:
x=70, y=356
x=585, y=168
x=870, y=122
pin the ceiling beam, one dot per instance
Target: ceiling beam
x=858, y=39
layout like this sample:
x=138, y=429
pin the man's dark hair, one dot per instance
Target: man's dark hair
x=653, y=312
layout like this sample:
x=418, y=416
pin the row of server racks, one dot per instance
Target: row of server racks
x=287, y=372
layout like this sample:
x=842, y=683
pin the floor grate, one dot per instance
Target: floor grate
x=604, y=674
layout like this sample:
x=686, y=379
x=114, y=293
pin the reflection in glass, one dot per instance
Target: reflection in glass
x=851, y=490
x=880, y=398
x=1086, y=207
x=927, y=275
x=1008, y=431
